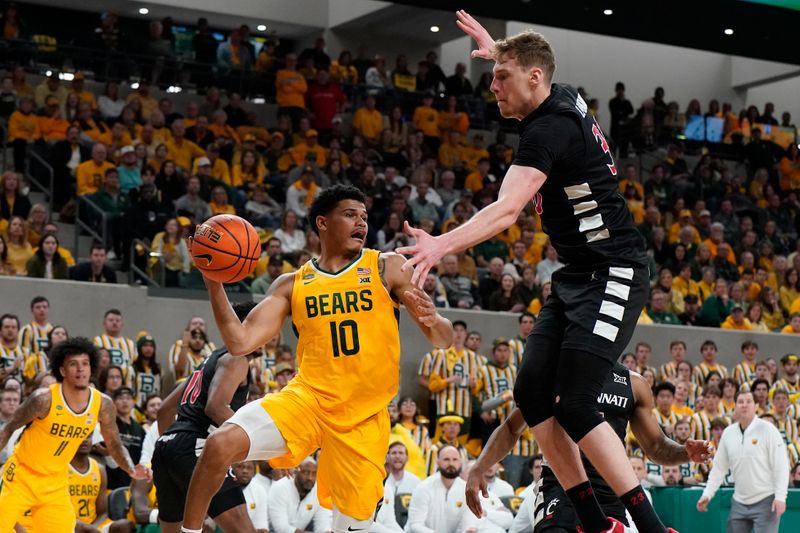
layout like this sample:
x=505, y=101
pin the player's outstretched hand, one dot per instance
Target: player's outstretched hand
x=474, y=29
x=476, y=486
x=424, y=309
x=427, y=252
x=141, y=472
x=700, y=451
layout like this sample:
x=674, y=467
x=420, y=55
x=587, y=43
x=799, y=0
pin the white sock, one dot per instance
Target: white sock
x=187, y=530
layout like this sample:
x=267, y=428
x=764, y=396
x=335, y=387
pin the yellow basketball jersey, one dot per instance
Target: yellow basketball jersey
x=47, y=445
x=84, y=487
x=348, y=347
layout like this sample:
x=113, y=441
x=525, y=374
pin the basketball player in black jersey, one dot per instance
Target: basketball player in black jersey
x=207, y=398
x=564, y=165
x=626, y=397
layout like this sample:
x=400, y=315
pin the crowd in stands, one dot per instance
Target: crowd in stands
x=426, y=453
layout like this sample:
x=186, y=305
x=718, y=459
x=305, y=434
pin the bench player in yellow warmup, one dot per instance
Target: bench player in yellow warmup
x=57, y=419
x=345, y=310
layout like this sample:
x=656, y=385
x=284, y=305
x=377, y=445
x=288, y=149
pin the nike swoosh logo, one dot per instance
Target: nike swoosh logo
x=207, y=257
x=350, y=528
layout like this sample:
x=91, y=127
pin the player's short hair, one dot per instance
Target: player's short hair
x=530, y=49
x=39, y=299
x=781, y=392
x=9, y=316
x=749, y=344
x=707, y=343
x=712, y=390
x=664, y=385
x=758, y=382
x=677, y=343
x=112, y=312
x=72, y=346
x=643, y=345
x=398, y=443
x=329, y=199
x=524, y=314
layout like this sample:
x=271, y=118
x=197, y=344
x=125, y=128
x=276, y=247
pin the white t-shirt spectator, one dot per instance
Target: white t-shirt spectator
x=255, y=498
x=386, y=520
x=435, y=509
x=288, y=512
x=406, y=485
x=500, y=488
x=291, y=241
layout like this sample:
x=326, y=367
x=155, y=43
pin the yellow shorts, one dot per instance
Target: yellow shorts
x=46, y=498
x=350, y=471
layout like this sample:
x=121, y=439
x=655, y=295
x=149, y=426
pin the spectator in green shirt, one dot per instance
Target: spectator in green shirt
x=716, y=307
x=658, y=309
x=261, y=283
x=488, y=250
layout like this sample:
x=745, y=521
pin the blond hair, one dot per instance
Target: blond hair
x=530, y=49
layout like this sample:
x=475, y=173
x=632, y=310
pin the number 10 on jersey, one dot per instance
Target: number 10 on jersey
x=344, y=338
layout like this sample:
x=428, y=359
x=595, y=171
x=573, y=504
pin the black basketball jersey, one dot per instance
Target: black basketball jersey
x=582, y=211
x=191, y=409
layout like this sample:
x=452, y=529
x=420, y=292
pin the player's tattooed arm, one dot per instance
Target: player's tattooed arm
x=437, y=329
x=108, y=428
x=382, y=273
x=37, y=405
x=656, y=445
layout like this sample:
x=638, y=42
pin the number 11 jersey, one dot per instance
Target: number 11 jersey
x=348, y=347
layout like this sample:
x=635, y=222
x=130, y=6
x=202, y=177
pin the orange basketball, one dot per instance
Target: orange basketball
x=226, y=248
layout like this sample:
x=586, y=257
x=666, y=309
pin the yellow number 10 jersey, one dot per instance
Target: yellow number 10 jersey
x=348, y=347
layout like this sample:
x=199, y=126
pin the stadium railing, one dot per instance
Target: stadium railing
x=140, y=248
x=88, y=217
x=41, y=174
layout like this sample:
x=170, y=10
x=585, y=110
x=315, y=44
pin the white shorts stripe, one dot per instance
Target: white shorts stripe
x=589, y=223
x=612, y=309
x=619, y=272
x=583, y=207
x=577, y=191
x=593, y=236
x=615, y=288
x=605, y=330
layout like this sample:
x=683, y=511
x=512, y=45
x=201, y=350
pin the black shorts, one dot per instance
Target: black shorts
x=174, y=459
x=554, y=509
x=594, y=311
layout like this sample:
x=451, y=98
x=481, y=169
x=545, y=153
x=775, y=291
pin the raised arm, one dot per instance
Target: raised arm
x=108, y=428
x=474, y=29
x=436, y=328
x=231, y=371
x=263, y=322
x=656, y=445
x=37, y=405
x=519, y=186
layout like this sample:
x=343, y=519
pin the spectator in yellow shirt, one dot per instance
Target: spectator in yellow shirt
x=475, y=152
x=23, y=129
x=475, y=180
x=115, y=139
x=453, y=120
x=21, y=85
x=684, y=219
x=219, y=202
x=83, y=94
x=226, y=137
x=250, y=172
x=90, y=174
x=683, y=282
x=181, y=150
x=368, y=121
x=451, y=153
x=342, y=70
x=793, y=326
x=51, y=86
x=161, y=133
x=219, y=167
x=142, y=94
x=736, y=320
x=52, y=124
x=311, y=145
x=291, y=90
x=715, y=239
x=426, y=119
x=631, y=177
x=89, y=127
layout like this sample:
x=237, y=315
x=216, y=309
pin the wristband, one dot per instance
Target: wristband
x=153, y=516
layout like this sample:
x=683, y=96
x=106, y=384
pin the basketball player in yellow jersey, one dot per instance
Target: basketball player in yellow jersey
x=56, y=419
x=345, y=309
